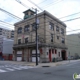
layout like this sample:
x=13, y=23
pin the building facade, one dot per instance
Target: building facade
x=51, y=38
x=7, y=33
x=6, y=48
x=73, y=43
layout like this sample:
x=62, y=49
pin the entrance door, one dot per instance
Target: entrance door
x=50, y=55
x=63, y=54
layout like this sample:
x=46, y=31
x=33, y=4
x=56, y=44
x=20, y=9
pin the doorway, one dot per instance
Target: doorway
x=63, y=53
x=50, y=59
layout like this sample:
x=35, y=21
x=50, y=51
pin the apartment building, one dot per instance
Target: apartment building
x=7, y=33
x=6, y=48
x=51, y=38
x=73, y=43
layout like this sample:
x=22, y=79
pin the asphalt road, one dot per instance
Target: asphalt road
x=62, y=72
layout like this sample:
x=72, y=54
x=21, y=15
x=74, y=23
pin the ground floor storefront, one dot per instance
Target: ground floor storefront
x=45, y=54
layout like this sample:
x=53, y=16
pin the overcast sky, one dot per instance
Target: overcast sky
x=58, y=8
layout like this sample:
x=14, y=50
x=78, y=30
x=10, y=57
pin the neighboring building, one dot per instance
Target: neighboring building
x=6, y=48
x=7, y=33
x=73, y=43
x=51, y=38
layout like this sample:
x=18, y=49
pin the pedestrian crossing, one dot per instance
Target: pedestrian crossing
x=13, y=67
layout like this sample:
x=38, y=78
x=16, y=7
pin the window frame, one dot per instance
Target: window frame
x=57, y=37
x=19, y=31
x=19, y=42
x=34, y=27
x=26, y=40
x=27, y=28
x=51, y=37
x=51, y=26
x=62, y=31
x=57, y=28
x=63, y=40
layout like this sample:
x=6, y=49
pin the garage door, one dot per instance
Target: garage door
x=34, y=56
x=19, y=55
x=34, y=59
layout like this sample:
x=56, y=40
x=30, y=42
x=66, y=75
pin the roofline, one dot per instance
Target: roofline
x=42, y=13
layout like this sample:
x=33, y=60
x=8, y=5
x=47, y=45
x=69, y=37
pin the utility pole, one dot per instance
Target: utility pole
x=36, y=37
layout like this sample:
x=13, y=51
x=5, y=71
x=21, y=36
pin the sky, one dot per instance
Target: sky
x=58, y=8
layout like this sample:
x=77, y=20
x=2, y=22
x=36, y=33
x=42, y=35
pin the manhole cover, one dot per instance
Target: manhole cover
x=47, y=73
x=45, y=66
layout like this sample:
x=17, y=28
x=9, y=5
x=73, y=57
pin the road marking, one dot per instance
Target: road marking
x=10, y=69
x=2, y=70
x=17, y=68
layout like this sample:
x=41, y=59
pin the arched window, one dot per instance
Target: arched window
x=26, y=28
x=19, y=30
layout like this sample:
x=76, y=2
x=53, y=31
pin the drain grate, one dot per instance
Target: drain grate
x=47, y=73
x=45, y=66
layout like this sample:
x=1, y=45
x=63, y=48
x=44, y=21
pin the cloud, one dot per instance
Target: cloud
x=58, y=9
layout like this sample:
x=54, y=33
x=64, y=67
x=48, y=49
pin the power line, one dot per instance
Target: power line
x=35, y=5
x=10, y=14
x=42, y=2
x=71, y=19
x=51, y=4
x=69, y=15
x=41, y=17
x=5, y=27
x=22, y=3
x=6, y=23
x=73, y=30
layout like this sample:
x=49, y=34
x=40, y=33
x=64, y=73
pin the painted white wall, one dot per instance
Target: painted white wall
x=58, y=50
x=7, y=46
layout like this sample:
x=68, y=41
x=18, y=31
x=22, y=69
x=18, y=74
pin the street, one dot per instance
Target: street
x=61, y=72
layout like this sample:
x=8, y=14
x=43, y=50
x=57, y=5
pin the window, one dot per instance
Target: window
x=51, y=26
x=62, y=31
x=26, y=40
x=33, y=26
x=26, y=28
x=58, y=37
x=59, y=54
x=51, y=37
x=0, y=29
x=55, y=51
x=19, y=41
x=12, y=36
x=0, y=33
x=57, y=28
x=19, y=30
x=63, y=40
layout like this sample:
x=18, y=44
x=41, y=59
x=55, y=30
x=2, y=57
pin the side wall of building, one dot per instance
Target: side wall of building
x=73, y=43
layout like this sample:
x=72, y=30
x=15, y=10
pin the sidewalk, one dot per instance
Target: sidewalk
x=52, y=64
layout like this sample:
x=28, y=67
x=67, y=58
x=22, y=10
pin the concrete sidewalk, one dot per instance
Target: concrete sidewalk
x=52, y=64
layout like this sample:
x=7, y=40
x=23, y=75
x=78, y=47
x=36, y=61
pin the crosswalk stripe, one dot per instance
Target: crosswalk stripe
x=2, y=70
x=10, y=69
x=16, y=68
